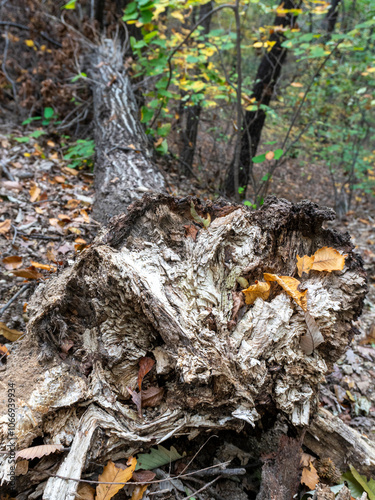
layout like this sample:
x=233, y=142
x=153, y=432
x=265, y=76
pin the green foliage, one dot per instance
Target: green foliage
x=157, y=458
x=359, y=484
x=81, y=153
x=33, y=135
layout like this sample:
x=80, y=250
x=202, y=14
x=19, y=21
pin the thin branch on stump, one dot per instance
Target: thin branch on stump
x=157, y=283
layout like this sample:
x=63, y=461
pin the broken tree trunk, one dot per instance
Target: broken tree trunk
x=159, y=283
x=123, y=167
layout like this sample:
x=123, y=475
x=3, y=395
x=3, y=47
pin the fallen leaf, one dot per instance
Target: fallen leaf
x=34, y=192
x=4, y=350
x=137, y=400
x=8, y=333
x=29, y=273
x=370, y=336
x=313, y=337
x=290, y=285
x=65, y=248
x=81, y=241
x=145, y=365
x=192, y=231
x=72, y=203
x=143, y=476
x=201, y=220
x=138, y=492
x=85, y=216
x=5, y=226
x=47, y=267
x=157, y=457
x=69, y=171
x=38, y=451
x=85, y=492
x=111, y=473
x=64, y=217
x=74, y=230
x=16, y=186
x=59, y=178
x=304, y=264
x=12, y=262
x=260, y=289
x=151, y=397
x=22, y=467
x=310, y=476
x=328, y=259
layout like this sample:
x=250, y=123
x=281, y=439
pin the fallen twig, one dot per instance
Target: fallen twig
x=4, y=308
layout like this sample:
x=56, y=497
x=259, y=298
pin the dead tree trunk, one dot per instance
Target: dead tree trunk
x=124, y=170
x=265, y=81
x=159, y=282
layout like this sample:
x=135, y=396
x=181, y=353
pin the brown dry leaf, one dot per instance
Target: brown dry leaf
x=143, y=476
x=304, y=264
x=145, y=365
x=111, y=473
x=29, y=273
x=47, y=267
x=192, y=231
x=74, y=230
x=151, y=397
x=12, y=262
x=306, y=458
x=34, y=192
x=59, y=178
x=38, y=451
x=313, y=337
x=64, y=217
x=8, y=333
x=73, y=203
x=38, y=210
x=51, y=253
x=5, y=226
x=328, y=259
x=69, y=171
x=290, y=285
x=310, y=477
x=137, y=400
x=260, y=289
x=138, y=492
x=3, y=350
x=85, y=216
x=22, y=467
x=85, y=492
x=270, y=155
x=81, y=241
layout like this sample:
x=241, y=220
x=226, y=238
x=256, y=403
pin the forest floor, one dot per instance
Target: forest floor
x=45, y=222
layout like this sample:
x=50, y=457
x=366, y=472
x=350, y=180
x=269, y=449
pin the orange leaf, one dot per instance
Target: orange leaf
x=3, y=350
x=328, y=259
x=86, y=492
x=260, y=289
x=310, y=477
x=296, y=84
x=39, y=451
x=270, y=155
x=85, y=216
x=114, y=474
x=138, y=492
x=12, y=262
x=290, y=285
x=47, y=267
x=304, y=264
x=34, y=193
x=5, y=226
x=145, y=365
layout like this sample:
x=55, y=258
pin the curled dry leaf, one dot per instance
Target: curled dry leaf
x=38, y=451
x=5, y=226
x=114, y=474
x=313, y=337
x=328, y=259
x=9, y=334
x=12, y=262
x=290, y=285
x=304, y=264
x=260, y=289
x=152, y=397
x=145, y=365
x=139, y=492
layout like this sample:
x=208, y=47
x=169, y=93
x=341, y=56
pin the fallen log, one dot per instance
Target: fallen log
x=164, y=281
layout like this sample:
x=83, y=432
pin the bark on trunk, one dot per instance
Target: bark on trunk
x=124, y=170
x=157, y=282
x=265, y=81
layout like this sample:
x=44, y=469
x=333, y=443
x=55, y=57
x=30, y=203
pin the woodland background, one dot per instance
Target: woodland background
x=239, y=100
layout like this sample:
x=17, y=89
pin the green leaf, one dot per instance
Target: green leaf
x=164, y=130
x=368, y=486
x=70, y=5
x=146, y=114
x=163, y=148
x=22, y=139
x=259, y=158
x=157, y=458
x=278, y=154
x=29, y=120
x=37, y=133
x=198, y=218
x=48, y=113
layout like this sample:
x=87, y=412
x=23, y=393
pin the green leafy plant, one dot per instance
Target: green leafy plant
x=81, y=153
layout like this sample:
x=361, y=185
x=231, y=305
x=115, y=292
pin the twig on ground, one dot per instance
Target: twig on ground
x=210, y=490
x=4, y=308
x=223, y=472
x=205, y=487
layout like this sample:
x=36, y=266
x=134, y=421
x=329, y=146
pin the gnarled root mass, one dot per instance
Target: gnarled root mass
x=159, y=283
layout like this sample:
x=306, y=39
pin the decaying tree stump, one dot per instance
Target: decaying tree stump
x=158, y=283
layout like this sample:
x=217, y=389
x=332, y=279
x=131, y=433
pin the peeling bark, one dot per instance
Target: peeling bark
x=147, y=287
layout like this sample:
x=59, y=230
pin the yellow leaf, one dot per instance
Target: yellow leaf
x=259, y=44
x=310, y=477
x=9, y=334
x=290, y=285
x=29, y=43
x=260, y=289
x=177, y=15
x=34, y=193
x=197, y=86
x=113, y=474
x=328, y=259
x=138, y=492
x=304, y=264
